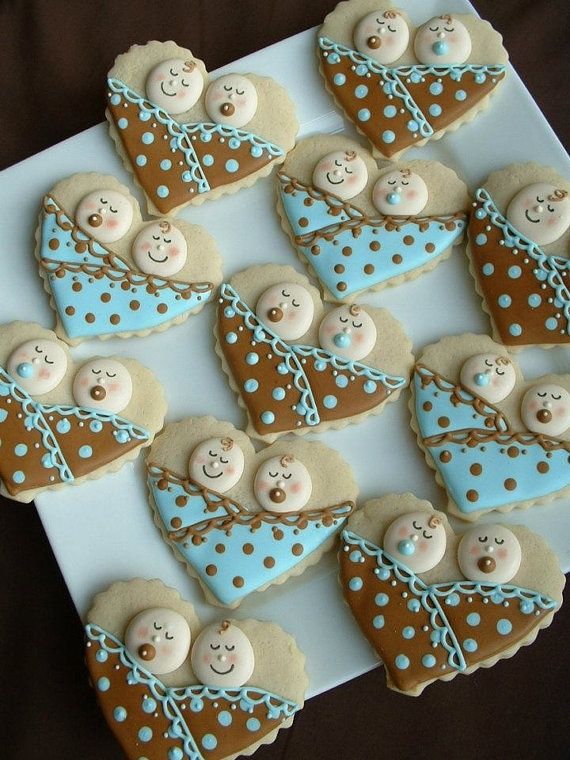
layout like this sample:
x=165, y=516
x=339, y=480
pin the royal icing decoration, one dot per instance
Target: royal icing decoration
x=96, y=292
x=484, y=463
x=342, y=173
x=417, y=539
x=290, y=387
x=223, y=656
x=382, y=36
x=106, y=215
x=103, y=384
x=489, y=554
x=541, y=212
x=545, y=409
x=217, y=463
x=158, y=639
x=348, y=332
x=426, y=631
x=442, y=40
x=38, y=366
x=350, y=251
x=174, y=85
x=231, y=100
x=282, y=484
x=288, y=308
x=490, y=376
x=525, y=290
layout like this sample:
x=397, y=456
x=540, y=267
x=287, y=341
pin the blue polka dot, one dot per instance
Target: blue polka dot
x=505, y=301
x=145, y=734
x=186, y=176
x=361, y=91
x=103, y=684
x=251, y=385
x=414, y=605
x=435, y=109
x=330, y=401
x=20, y=450
x=207, y=159
x=18, y=477
x=480, y=213
x=480, y=77
x=225, y=718
x=147, y=138
x=355, y=584
x=415, y=77
x=234, y=143
x=162, y=191
x=551, y=323
x=209, y=741
x=435, y=636
x=278, y=394
x=282, y=368
x=390, y=112
x=229, y=312
x=361, y=70
x=402, y=662
x=378, y=622
x=63, y=426
x=428, y=660
x=122, y=436
x=232, y=166
x=387, y=87
x=95, y=426
x=436, y=88
x=123, y=123
x=333, y=58
x=526, y=607
x=231, y=337
x=205, y=137
x=339, y=79
x=252, y=358
x=514, y=272
x=140, y=160
x=149, y=705
x=413, y=125
x=166, y=164
x=460, y=95
x=144, y=115
x=175, y=753
x=256, y=151
x=101, y=656
x=341, y=381
x=473, y=619
x=515, y=329
x=120, y=714
x=47, y=461
x=452, y=599
x=381, y=600
x=540, y=275
x=534, y=300
x=470, y=645
x=408, y=632
x=481, y=239
x=85, y=452
x=370, y=386
x=253, y=724
x=363, y=114
x=488, y=269
x=268, y=418
x=497, y=598
x=3, y=412
x=320, y=366
x=115, y=99
x=301, y=409
x=388, y=136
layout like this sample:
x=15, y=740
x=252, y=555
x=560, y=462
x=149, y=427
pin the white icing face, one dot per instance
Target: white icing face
x=400, y=193
x=160, y=249
x=38, y=366
x=348, y=331
x=545, y=409
x=287, y=309
x=490, y=376
x=217, y=464
x=174, y=85
x=442, y=40
x=222, y=655
x=342, y=173
x=106, y=215
x=417, y=540
x=489, y=553
x=103, y=384
x=231, y=100
x=540, y=212
x=282, y=484
x=382, y=35
x=159, y=639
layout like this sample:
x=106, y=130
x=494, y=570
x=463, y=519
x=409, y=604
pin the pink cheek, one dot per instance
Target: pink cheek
x=331, y=329
x=84, y=382
x=218, y=95
x=263, y=486
x=145, y=247
x=200, y=460
x=327, y=166
x=232, y=659
x=528, y=203
x=291, y=316
x=358, y=338
x=388, y=42
x=552, y=222
x=241, y=102
x=422, y=546
x=166, y=650
x=404, y=531
x=111, y=224
x=474, y=551
x=230, y=470
x=533, y=406
x=143, y=632
x=502, y=554
x=296, y=488
x=353, y=180
x=113, y=387
x=207, y=659
x=452, y=38
x=44, y=374
x=559, y=411
x=159, y=77
x=90, y=206
x=173, y=251
x=411, y=194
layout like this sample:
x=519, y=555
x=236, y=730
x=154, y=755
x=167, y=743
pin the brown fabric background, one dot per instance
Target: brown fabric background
x=53, y=58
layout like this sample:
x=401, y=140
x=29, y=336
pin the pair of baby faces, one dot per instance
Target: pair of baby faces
x=175, y=86
x=159, y=249
x=486, y=553
x=39, y=366
x=545, y=407
x=159, y=639
x=281, y=484
x=288, y=310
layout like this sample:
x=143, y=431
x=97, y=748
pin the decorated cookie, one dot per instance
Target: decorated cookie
x=253, y=520
x=170, y=690
x=348, y=364
x=357, y=226
x=495, y=440
x=63, y=423
x=519, y=232
x=403, y=86
x=110, y=274
x=187, y=139
x=472, y=600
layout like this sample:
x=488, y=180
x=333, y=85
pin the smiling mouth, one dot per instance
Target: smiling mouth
x=222, y=672
x=170, y=94
x=157, y=261
x=530, y=219
x=219, y=475
x=334, y=183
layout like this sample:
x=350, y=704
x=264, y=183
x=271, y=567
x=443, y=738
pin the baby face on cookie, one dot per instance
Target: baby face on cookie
x=545, y=409
x=349, y=332
x=160, y=249
x=103, y=384
x=382, y=35
x=442, y=40
x=400, y=193
x=223, y=656
x=38, y=366
x=540, y=212
x=489, y=553
x=217, y=463
x=342, y=173
x=416, y=539
x=231, y=100
x=287, y=309
x=159, y=639
x=490, y=376
x=106, y=215
x=282, y=484
x=174, y=85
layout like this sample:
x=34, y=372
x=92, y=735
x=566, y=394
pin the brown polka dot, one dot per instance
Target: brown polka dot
x=162, y=484
x=341, y=286
x=368, y=269
x=430, y=247
x=396, y=258
x=211, y=569
x=297, y=549
x=125, y=285
x=114, y=319
x=134, y=305
x=303, y=221
x=408, y=240
x=238, y=581
x=77, y=286
x=443, y=422
x=347, y=251
x=475, y=469
x=269, y=562
x=53, y=244
x=445, y=457
x=81, y=247
x=247, y=548
x=181, y=501
x=105, y=297
x=162, y=308
x=60, y=273
x=308, y=201
x=277, y=534
x=542, y=467
x=150, y=288
x=374, y=245
x=315, y=250
x=513, y=452
x=427, y=406
x=472, y=495
x=510, y=484
x=450, y=226
x=70, y=311
x=197, y=540
x=90, y=318
x=176, y=522
x=220, y=548
x=339, y=268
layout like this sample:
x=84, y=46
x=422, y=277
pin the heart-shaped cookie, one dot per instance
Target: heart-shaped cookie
x=518, y=249
x=270, y=322
x=243, y=521
x=60, y=423
x=495, y=440
x=144, y=647
x=183, y=137
x=110, y=274
x=359, y=227
x=401, y=86
x=434, y=604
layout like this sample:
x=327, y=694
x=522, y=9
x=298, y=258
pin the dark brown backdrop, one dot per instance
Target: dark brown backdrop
x=53, y=58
